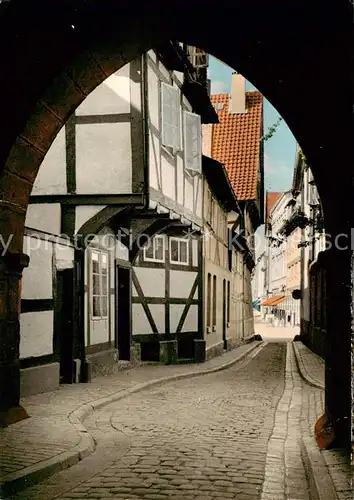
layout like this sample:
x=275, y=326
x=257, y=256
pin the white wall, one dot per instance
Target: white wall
x=44, y=217
x=51, y=177
x=103, y=158
x=167, y=174
x=36, y=328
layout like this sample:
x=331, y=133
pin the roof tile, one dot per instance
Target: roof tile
x=236, y=143
x=271, y=199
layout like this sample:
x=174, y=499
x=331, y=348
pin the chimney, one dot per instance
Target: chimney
x=237, y=102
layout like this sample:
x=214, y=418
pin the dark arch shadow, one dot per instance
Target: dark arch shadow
x=53, y=54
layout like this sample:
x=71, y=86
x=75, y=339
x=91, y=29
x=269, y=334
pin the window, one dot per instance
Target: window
x=170, y=106
x=155, y=249
x=99, y=284
x=209, y=301
x=192, y=142
x=214, y=300
x=179, y=251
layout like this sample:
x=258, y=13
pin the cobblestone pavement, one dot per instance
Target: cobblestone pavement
x=225, y=435
x=49, y=433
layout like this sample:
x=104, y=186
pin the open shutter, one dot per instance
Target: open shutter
x=170, y=116
x=192, y=142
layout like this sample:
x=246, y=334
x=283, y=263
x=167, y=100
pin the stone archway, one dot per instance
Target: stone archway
x=54, y=55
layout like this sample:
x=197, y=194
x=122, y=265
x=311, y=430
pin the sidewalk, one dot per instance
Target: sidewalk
x=53, y=438
x=319, y=463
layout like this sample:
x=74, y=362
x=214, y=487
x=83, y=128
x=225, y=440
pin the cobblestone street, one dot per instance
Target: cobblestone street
x=217, y=436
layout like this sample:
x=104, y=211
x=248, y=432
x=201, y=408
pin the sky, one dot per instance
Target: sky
x=279, y=151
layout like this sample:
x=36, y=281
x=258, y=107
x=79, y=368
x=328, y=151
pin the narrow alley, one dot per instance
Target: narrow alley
x=237, y=433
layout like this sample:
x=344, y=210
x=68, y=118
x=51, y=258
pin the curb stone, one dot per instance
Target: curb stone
x=303, y=372
x=320, y=482
x=33, y=474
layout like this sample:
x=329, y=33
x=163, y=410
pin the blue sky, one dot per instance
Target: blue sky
x=279, y=151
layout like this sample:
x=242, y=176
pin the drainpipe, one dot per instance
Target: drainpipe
x=145, y=126
x=85, y=375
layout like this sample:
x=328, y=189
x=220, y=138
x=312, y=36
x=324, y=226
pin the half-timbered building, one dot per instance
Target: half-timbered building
x=237, y=143
x=115, y=195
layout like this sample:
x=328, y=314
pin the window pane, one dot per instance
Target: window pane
x=95, y=263
x=158, y=242
x=174, y=250
x=183, y=250
x=104, y=284
x=96, y=284
x=149, y=250
x=104, y=263
x=96, y=306
x=104, y=306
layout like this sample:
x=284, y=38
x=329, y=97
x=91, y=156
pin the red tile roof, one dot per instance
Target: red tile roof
x=271, y=198
x=236, y=143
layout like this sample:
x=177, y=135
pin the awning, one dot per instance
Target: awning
x=278, y=301
x=273, y=301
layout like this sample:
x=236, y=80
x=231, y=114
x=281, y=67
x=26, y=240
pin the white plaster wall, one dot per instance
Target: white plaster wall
x=158, y=313
x=37, y=277
x=36, y=334
x=103, y=158
x=176, y=311
x=152, y=281
x=215, y=338
x=64, y=256
x=168, y=177
x=198, y=196
x=189, y=193
x=44, y=217
x=195, y=252
x=191, y=321
x=181, y=283
x=122, y=251
x=180, y=180
x=140, y=322
x=154, y=161
x=51, y=177
x=111, y=96
x=85, y=212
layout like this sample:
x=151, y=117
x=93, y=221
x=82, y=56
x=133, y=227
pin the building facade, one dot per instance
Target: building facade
x=111, y=276
x=313, y=266
x=236, y=142
x=277, y=263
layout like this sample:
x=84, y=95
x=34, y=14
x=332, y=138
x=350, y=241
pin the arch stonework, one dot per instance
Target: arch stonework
x=53, y=54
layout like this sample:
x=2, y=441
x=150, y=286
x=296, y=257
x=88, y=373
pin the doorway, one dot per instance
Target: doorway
x=123, y=312
x=65, y=325
x=224, y=302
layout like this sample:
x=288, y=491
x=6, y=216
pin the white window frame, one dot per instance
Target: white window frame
x=152, y=242
x=192, y=171
x=99, y=253
x=179, y=240
x=177, y=146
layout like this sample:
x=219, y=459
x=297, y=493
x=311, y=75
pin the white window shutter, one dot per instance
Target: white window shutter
x=170, y=116
x=192, y=142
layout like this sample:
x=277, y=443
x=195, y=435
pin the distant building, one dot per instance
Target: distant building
x=237, y=144
x=312, y=269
